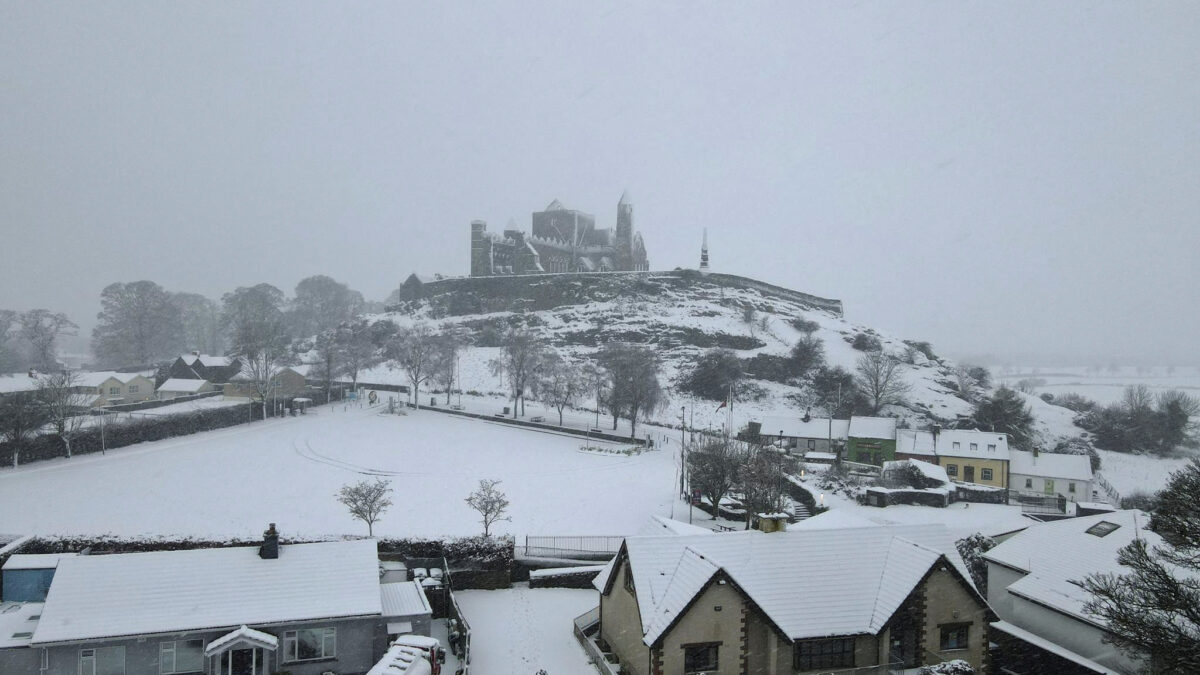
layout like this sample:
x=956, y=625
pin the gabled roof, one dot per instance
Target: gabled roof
x=98, y=378
x=795, y=427
x=624, y=198
x=243, y=635
x=103, y=596
x=1058, y=554
x=207, y=360
x=798, y=578
x=35, y=561
x=873, y=427
x=178, y=384
x=931, y=471
x=965, y=437
x=555, y=206
x=1050, y=465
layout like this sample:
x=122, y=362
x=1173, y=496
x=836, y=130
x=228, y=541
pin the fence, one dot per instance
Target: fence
x=586, y=433
x=589, y=547
x=1040, y=503
x=1110, y=492
x=465, y=629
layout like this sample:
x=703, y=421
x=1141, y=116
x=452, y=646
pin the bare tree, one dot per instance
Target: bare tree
x=633, y=377
x=201, y=322
x=8, y=352
x=41, y=329
x=713, y=468
x=415, y=350
x=138, y=324
x=490, y=503
x=254, y=318
x=521, y=356
x=321, y=304
x=367, y=500
x=449, y=345
x=879, y=377
x=359, y=342
x=330, y=357
x=559, y=383
x=761, y=480
x=65, y=406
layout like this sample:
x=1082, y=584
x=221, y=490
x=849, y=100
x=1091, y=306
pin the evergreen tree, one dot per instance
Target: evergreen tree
x=1006, y=412
x=1153, y=609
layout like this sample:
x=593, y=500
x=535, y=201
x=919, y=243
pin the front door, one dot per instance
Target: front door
x=969, y=474
x=1049, y=486
x=248, y=661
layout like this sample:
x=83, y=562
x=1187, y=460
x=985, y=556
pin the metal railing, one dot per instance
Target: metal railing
x=1110, y=492
x=465, y=628
x=572, y=546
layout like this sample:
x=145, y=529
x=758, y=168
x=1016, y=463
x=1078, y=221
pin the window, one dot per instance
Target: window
x=954, y=635
x=957, y=445
x=1102, y=528
x=1071, y=487
x=700, y=658
x=864, y=458
x=181, y=656
x=951, y=469
x=113, y=391
x=629, y=581
x=985, y=474
x=812, y=444
x=812, y=654
x=974, y=447
x=102, y=661
x=1029, y=483
x=133, y=388
x=306, y=645
x=991, y=447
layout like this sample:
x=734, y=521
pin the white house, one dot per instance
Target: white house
x=1033, y=586
x=1069, y=476
x=111, y=387
x=819, y=434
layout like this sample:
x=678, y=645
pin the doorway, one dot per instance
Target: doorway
x=969, y=474
x=249, y=661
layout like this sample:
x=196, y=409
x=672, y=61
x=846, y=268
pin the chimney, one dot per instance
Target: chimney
x=195, y=353
x=1036, y=452
x=270, y=546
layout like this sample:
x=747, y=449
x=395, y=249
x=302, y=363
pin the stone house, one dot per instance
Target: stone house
x=974, y=456
x=303, y=608
x=197, y=366
x=789, y=602
x=817, y=434
x=286, y=383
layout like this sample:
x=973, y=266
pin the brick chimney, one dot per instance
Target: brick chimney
x=270, y=546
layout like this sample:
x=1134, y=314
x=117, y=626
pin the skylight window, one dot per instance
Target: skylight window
x=17, y=636
x=1102, y=528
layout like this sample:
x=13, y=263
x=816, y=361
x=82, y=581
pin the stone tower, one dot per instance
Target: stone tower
x=704, y=252
x=624, y=235
x=481, y=250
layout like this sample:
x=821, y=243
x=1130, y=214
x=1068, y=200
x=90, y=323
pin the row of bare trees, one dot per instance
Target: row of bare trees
x=30, y=339
x=623, y=381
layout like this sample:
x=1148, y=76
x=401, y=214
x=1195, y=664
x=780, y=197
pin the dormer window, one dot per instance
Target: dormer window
x=991, y=447
x=974, y=447
x=957, y=445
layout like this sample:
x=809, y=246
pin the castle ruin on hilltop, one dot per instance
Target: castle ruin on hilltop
x=562, y=240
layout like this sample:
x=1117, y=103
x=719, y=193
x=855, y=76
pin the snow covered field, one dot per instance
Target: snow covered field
x=1105, y=386
x=232, y=482
x=519, y=630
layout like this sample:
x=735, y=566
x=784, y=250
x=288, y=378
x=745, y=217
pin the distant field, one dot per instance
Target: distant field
x=1104, y=386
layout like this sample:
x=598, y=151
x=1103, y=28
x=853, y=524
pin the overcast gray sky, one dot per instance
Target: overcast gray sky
x=1011, y=178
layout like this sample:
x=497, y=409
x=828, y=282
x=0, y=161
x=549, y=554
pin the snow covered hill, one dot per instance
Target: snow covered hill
x=682, y=314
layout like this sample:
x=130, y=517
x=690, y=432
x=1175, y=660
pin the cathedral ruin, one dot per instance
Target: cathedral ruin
x=562, y=240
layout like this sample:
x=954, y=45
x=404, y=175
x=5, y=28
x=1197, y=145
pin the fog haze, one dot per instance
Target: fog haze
x=1012, y=179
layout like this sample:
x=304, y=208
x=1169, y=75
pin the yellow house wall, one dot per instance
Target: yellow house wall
x=999, y=469
x=703, y=623
x=621, y=625
x=946, y=602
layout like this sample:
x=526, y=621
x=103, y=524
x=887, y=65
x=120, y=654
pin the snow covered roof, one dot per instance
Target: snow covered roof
x=833, y=519
x=828, y=598
x=17, y=382
x=873, y=427
x=35, y=561
x=1057, y=554
x=243, y=634
x=100, y=377
x=988, y=444
x=17, y=623
x=207, y=360
x=402, y=660
x=794, y=427
x=625, y=199
x=914, y=442
x=176, y=384
x=555, y=206
x=1050, y=465
x=403, y=598
x=100, y=596
x=659, y=525
x=932, y=471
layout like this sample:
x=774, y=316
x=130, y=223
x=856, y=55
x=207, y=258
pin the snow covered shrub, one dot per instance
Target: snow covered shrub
x=805, y=326
x=1145, y=501
x=807, y=355
x=972, y=549
x=923, y=347
x=1077, y=402
x=866, y=343
x=1078, y=446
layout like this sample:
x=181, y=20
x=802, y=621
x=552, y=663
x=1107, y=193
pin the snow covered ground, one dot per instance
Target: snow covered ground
x=1105, y=386
x=231, y=482
x=520, y=630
